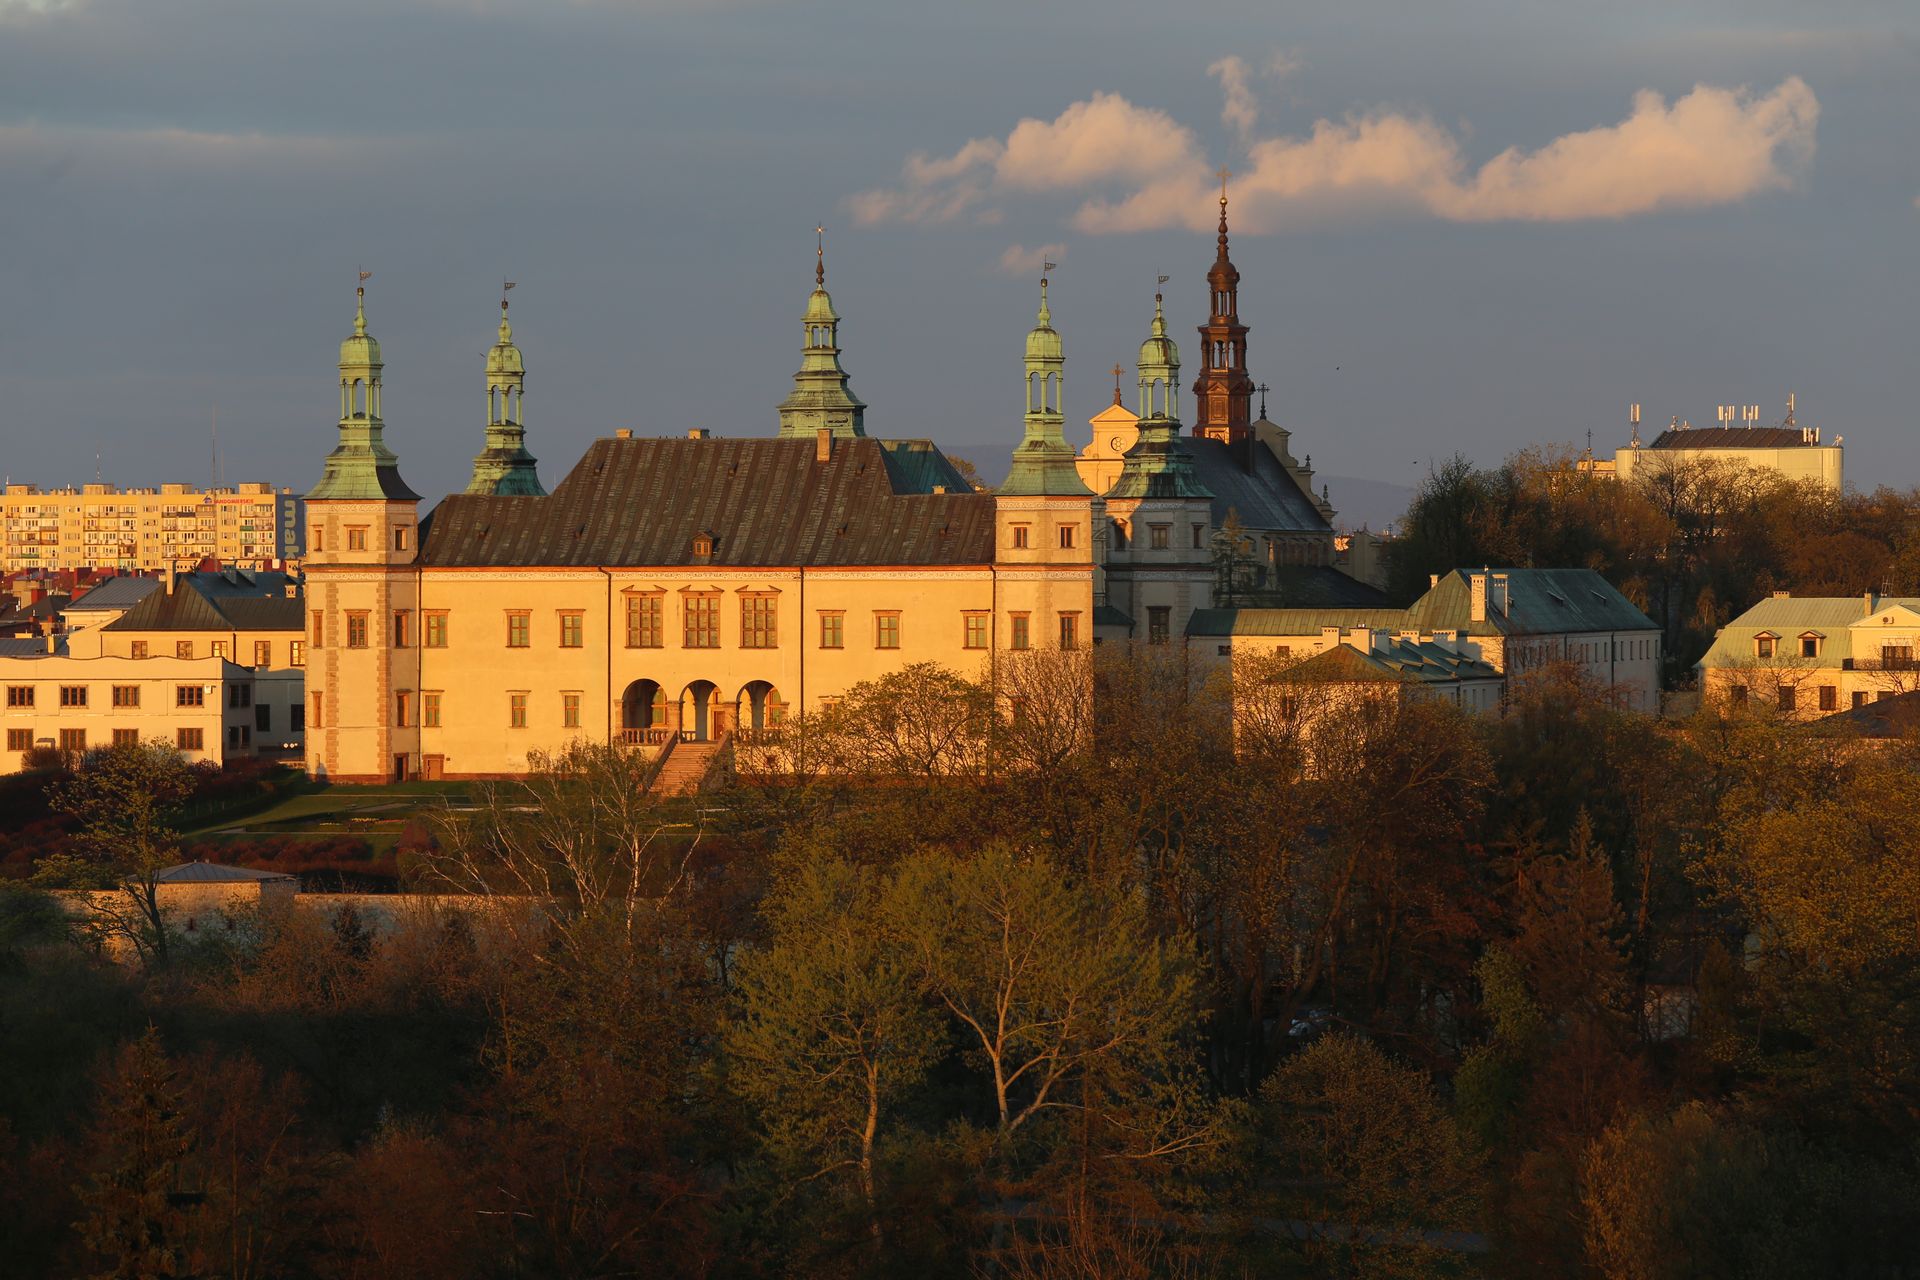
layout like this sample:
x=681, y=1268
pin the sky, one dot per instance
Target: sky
x=1461, y=228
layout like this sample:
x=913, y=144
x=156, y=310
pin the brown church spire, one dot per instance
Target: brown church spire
x=1223, y=390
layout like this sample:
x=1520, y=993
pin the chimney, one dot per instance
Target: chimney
x=823, y=444
x=696, y=433
x=1477, y=586
x=1433, y=580
x=623, y=433
x=1501, y=600
x=1871, y=600
x=173, y=574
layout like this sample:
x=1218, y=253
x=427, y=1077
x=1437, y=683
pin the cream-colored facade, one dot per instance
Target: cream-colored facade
x=99, y=525
x=203, y=706
x=1810, y=656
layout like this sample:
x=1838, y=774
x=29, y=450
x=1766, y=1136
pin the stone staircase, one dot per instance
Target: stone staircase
x=687, y=766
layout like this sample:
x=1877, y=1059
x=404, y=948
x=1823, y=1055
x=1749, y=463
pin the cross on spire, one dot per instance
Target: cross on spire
x=820, y=257
x=1118, y=371
x=1262, y=389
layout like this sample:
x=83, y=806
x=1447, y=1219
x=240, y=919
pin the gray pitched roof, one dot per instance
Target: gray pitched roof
x=215, y=873
x=121, y=592
x=1541, y=602
x=1734, y=438
x=641, y=502
x=1267, y=497
x=1290, y=622
x=226, y=601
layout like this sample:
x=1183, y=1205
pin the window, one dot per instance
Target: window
x=19, y=695
x=314, y=718
x=296, y=718
x=319, y=628
x=758, y=622
x=73, y=695
x=296, y=653
x=1159, y=623
x=433, y=628
x=643, y=621
x=1896, y=657
x=1157, y=535
x=570, y=711
x=317, y=538
x=1199, y=536
x=139, y=649
x=518, y=629
x=357, y=630
x=572, y=629
x=1763, y=646
x=1069, y=631
x=977, y=625
x=240, y=695
x=73, y=741
x=886, y=630
x=1787, y=697
x=399, y=537
x=219, y=648
x=1859, y=698
x=1068, y=536
x=1022, y=637
x=430, y=709
x=1884, y=695
x=833, y=629
x=190, y=739
x=189, y=695
x=702, y=630
x=516, y=711
x=239, y=735
x=19, y=739
x=1020, y=536
x=263, y=717
x=126, y=695
x=183, y=648
x=1829, y=698
x=403, y=708
x=126, y=737
x=263, y=653
x=402, y=628
x=356, y=537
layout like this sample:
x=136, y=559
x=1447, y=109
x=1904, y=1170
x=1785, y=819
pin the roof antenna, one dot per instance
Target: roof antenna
x=96, y=466
x=1633, y=416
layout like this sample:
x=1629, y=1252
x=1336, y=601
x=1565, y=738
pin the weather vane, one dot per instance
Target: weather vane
x=506, y=287
x=820, y=256
x=1118, y=371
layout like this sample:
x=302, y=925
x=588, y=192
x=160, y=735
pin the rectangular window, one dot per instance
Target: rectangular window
x=1859, y=698
x=402, y=628
x=19, y=695
x=573, y=629
x=1200, y=537
x=296, y=718
x=433, y=628
x=886, y=630
x=759, y=618
x=219, y=648
x=1020, y=535
x=1896, y=657
x=1159, y=623
x=403, y=708
x=73, y=695
x=73, y=741
x=296, y=653
x=1829, y=698
x=139, y=649
x=189, y=695
x=1787, y=697
x=314, y=718
x=833, y=629
x=1069, y=631
x=1068, y=536
x=519, y=629
x=1022, y=632
x=1157, y=536
x=357, y=630
x=516, y=711
x=126, y=737
x=399, y=537
x=263, y=653
x=356, y=537
x=569, y=711
x=19, y=739
x=319, y=628
x=644, y=613
x=263, y=717
x=977, y=629
x=190, y=739
x=240, y=695
x=702, y=630
x=430, y=709
x=126, y=695
x=183, y=648
x=317, y=537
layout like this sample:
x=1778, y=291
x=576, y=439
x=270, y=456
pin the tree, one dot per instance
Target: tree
x=126, y=800
x=923, y=723
x=831, y=1031
x=137, y=1202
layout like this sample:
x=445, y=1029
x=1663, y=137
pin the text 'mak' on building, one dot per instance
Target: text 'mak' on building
x=688, y=588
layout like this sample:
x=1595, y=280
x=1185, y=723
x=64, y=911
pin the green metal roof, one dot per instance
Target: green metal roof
x=1790, y=617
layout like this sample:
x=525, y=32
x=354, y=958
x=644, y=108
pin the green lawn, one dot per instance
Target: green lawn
x=331, y=809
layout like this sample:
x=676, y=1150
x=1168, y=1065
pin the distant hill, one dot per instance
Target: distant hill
x=1373, y=503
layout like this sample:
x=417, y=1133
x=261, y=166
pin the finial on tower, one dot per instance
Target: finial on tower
x=1118, y=371
x=820, y=256
x=1224, y=174
x=360, y=304
x=1262, y=389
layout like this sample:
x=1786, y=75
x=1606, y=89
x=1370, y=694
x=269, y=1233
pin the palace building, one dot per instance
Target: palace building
x=685, y=590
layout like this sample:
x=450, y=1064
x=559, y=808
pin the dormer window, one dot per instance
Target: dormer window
x=1810, y=644
x=703, y=545
x=1764, y=644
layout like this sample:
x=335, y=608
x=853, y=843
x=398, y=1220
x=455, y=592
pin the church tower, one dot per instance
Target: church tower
x=821, y=397
x=505, y=467
x=1224, y=391
x=362, y=589
x=1044, y=462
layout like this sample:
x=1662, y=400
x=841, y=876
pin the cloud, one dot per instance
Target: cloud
x=1019, y=260
x=1135, y=168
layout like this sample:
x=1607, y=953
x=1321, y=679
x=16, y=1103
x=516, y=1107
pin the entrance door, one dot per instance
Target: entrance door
x=433, y=767
x=400, y=767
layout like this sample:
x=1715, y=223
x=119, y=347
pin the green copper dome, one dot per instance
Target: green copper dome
x=505, y=467
x=821, y=397
x=1159, y=351
x=360, y=348
x=361, y=467
x=504, y=358
x=1044, y=462
x=1042, y=342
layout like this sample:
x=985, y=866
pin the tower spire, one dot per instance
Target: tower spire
x=1044, y=462
x=361, y=466
x=821, y=397
x=1223, y=392
x=504, y=466
x=1158, y=465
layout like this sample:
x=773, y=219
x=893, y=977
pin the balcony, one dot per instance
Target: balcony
x=654, y=737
